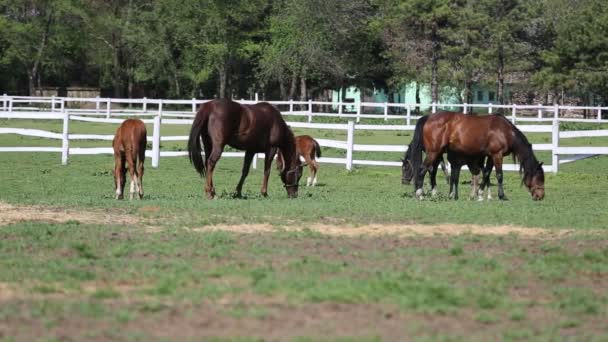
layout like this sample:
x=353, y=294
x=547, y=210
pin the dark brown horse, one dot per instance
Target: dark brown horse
x=129, y=145
x=309, y=149
x=456, y=160
x=253, y=128
x=475, y=136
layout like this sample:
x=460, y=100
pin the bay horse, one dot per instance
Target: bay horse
x=475, y=165
x=257, y=128
x=475, y=136
x=309, y=149
x=129, y=146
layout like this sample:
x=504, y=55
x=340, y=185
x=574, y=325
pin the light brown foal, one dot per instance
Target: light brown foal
x=129, y=146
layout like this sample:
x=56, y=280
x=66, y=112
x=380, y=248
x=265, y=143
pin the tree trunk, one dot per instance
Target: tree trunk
x=115, y=67
x=33, y=71
x=417, y=99
x=434, y=61
x=282, y=90
x=303, y=90
x=501, y=75
x=293, y=86
x=223, y=73
x=468, y=91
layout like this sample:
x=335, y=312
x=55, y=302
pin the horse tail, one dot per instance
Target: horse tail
x=194, y=143
x=317, y=148
x=417, y=148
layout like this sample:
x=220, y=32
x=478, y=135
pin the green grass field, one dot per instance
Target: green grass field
x=75, y=264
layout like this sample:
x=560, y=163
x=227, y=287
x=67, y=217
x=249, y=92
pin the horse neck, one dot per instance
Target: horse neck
x=288, y=149
x=522, y=150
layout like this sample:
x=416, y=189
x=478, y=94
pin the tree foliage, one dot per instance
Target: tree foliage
x=292, y=48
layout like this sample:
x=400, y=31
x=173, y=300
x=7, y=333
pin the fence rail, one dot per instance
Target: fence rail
x=159, y=112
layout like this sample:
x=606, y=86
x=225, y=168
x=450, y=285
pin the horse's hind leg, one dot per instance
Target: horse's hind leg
x=246, y=166
x=433, y=176
x=314, y=167
x=311, y=168
x=131, y=161
x=119, y=174
x=214, y=157
x=140, y=173
x=454, y=179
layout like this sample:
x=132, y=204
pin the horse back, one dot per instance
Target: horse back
x=130, y=136
x=468, y=134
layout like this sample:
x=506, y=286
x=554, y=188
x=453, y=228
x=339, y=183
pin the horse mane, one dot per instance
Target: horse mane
x=522, y=151
x=417, y=148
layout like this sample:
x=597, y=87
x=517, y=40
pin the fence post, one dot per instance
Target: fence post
x=256, y=97
x=53, y=103
x=4, y=102
x=466, y=108
x=108, y=108
x=599, y=113
x=290, y=106
x=310, y=110
x=490, y=108
x=555, y=140
x=408, y=119
x=340, y=107
x=255, y=161
x=513, y=110
x=65, y=141
x=193, y=105
x=350, y=145
x=540, y=111
x=97, y=104
x=385, y=111
x=145, y=105
x=358, y=104
x=10, y=105
x=156, y=141
x=433, y=108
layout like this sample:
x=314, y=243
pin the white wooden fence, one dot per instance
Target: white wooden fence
x=165, y=112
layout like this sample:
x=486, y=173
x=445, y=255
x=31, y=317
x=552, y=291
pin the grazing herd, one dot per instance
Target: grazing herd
x=480, y=142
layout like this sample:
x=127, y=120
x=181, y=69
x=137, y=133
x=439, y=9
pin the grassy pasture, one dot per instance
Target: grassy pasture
x=164, y=275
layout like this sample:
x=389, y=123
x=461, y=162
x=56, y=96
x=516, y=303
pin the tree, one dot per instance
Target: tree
x=578, y=59
x=416, y=33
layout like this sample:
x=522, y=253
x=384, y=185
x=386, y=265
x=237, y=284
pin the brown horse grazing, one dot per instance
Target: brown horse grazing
x=254, y=128
x=475, y=136
x=407, y=173
x=309, y=149
x=129, y=145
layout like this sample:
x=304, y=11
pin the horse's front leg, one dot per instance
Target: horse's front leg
x=433, y=175
x=499, y=175
x=427, y=165
x=485, y=182
x=454, y=179
x=246, y=166
x=267, y=165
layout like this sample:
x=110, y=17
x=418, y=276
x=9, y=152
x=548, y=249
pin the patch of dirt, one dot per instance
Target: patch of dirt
x=10, y=214
x=405, y=230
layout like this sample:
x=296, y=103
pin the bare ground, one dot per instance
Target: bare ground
x=10, y=214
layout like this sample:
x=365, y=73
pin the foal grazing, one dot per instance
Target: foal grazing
x=254, y=128
x=309, y=149
x=475, y=136
x=456, y=160
x=129, y=145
